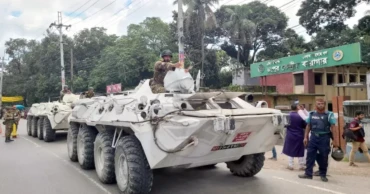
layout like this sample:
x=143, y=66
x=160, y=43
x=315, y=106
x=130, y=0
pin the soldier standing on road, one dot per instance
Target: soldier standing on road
x=90, y=93
x=10, y=117
x=321, y=124
x=64, y=91
x=160, y=70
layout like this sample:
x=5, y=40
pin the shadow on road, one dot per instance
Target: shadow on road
x=61, y=136
x=202, y=180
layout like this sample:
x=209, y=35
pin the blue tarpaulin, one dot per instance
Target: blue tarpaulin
x=19, y=107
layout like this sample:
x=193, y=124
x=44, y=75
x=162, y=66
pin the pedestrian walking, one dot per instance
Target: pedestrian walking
x=274, y=154
x=359, y=132
x=293, y=145
x=321, y=124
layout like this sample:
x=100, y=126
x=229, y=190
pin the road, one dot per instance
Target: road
x=31, y=166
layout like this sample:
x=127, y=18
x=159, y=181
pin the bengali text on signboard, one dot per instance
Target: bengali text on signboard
x=342, y=55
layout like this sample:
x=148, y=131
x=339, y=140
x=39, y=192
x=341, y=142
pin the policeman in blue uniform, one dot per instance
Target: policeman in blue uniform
x=321, y=125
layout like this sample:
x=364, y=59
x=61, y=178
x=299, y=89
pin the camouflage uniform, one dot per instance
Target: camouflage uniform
x=89, y=94
x=10, y=117
x=63, y=92
x=160, y=70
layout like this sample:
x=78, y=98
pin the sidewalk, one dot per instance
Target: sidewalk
x=335, y=168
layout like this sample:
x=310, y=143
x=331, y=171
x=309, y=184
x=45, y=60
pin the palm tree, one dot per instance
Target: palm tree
x=241, y=29
x=200, y=10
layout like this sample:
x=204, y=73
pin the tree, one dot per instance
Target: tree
x=316, y=15
x=254, y=25
x=199, y=12
x=290, y=44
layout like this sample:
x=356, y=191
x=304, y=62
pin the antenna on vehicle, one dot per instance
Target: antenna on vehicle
x=197, y=82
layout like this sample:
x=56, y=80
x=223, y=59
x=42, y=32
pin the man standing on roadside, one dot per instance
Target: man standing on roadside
x=321, y=124
x=358, y=130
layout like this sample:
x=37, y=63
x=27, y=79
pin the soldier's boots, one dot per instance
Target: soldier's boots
x=7, y=140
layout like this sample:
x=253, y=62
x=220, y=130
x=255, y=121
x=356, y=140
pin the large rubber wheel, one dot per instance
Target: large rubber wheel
x=85, y=147
x=34, y=127
x=248, y=165
x=40, y=128
x=133, y=172
x=72, y=141
x=104, y=157
x=48, y=132
x=29, y=126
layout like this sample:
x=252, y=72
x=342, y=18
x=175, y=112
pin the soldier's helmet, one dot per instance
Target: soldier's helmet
x=337, y=155
x=65, y=86
x=166, y=53
x=91, y=88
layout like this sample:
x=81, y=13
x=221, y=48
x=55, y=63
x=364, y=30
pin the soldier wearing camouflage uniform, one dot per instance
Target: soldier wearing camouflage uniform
x=63, y=92
x=90, y=93
x=10, y=117
x=160, y=70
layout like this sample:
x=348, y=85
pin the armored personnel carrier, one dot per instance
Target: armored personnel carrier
x=125, y=137
x=44, y=119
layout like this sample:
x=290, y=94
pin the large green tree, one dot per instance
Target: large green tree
x=248, y=28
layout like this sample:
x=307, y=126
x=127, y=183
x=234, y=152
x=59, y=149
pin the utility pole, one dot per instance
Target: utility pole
x=180, y=31
x=1, y=84
x=72, y=70
x=60, y=26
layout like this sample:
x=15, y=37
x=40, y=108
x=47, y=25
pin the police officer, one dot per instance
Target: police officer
x=321, y=125
x=10, y=118
x=160, y=70
x=90, y=93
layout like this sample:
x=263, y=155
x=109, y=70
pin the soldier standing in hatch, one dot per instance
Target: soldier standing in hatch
x=10, y=117
x=160, y=70
x=64, y=91
x=90, y=93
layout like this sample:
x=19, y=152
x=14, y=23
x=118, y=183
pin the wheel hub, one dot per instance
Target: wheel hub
x=122, y=177
x=100, y=159
x=80, y=148
x=69, y=144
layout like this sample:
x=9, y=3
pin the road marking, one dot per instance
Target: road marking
x=34, y=143
x=71, y=165
x=311, y=186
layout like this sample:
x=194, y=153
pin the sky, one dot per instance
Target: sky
x=30, y=18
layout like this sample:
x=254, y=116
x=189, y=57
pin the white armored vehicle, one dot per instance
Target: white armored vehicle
x=44, y=119
x=125, y=137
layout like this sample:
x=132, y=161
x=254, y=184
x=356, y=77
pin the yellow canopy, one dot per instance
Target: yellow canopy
x=12, y=99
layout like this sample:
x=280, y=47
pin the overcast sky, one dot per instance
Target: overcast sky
x=30, y=18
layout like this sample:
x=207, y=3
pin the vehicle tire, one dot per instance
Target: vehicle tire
x=72, y=141
x=34, y=127
x=104, y=157
x=29, y=126
x=48, y=132
x=132, y=169
x=40, y=126
x=85, y=147
x=248, y=165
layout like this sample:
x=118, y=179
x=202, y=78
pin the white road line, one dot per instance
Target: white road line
x=71, y=165
x=310, y=186
x=34, y=143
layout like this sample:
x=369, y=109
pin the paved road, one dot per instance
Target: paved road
x=31, y=166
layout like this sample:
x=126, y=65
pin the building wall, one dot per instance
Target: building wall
x=283, y=82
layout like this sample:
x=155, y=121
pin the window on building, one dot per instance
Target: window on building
x=352, y=78
x=318, y=78
x=362, y=78
x=330, y=79
x=299, y=79
x=341, y=78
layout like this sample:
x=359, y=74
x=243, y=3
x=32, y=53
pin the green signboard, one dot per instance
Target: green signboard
x=342, y=55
